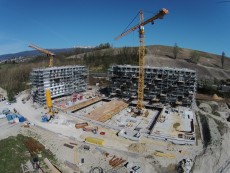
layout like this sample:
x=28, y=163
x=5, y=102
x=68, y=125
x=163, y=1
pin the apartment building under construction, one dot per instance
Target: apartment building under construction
x=61, y=81
x=162, y=84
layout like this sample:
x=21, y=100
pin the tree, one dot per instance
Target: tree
x=176, y=50
x=103, y=46
x=10, y=95
x=222, y=59
x=194, y=57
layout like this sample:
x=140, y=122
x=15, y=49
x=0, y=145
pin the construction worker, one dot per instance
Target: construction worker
x=15, y=111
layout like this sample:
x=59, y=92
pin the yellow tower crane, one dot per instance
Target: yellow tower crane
x=48, y=53
x=48, y=93
x=141, y=75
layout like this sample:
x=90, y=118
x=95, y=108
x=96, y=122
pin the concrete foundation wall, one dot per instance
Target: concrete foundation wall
x=173, y=140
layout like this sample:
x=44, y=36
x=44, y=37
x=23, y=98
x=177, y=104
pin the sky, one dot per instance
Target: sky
x=195, y=24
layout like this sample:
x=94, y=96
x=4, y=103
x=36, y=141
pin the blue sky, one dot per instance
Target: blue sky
x=197, y=24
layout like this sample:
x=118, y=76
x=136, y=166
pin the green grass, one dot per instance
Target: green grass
x=5, y=66
x=205, y=55
x=13, y=152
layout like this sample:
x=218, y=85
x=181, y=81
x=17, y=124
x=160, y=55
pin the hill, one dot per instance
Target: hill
x=33, y=53
x=208, y=66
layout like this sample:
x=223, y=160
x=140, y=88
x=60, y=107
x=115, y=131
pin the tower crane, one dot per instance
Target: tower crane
x=141, y=74
x=48, y=53
x=48, y=93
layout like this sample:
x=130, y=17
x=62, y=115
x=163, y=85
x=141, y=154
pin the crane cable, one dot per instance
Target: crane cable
x=131, y=21
x=136, y=17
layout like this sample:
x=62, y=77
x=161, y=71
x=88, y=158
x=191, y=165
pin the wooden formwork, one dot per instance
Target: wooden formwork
x=107, y=111
x=83, y=104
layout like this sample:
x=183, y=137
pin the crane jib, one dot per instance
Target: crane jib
x=159, y=15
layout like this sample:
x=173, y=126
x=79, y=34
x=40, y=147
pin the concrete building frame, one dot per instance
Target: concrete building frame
x=174, y=86
x=61, y=81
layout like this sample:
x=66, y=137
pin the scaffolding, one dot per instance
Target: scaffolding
x=61, y=81
x=162, y=84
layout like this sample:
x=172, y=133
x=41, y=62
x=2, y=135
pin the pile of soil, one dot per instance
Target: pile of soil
x=139, y=147
x=216, y=97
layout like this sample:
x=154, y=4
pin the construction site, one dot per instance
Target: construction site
x=144, y=105
x=146, y=123
x=109, y=132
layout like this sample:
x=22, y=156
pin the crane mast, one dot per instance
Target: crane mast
x=141, y=74
x=48, y=53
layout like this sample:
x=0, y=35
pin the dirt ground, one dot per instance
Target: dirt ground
x=3, y=93
x=61, y=130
